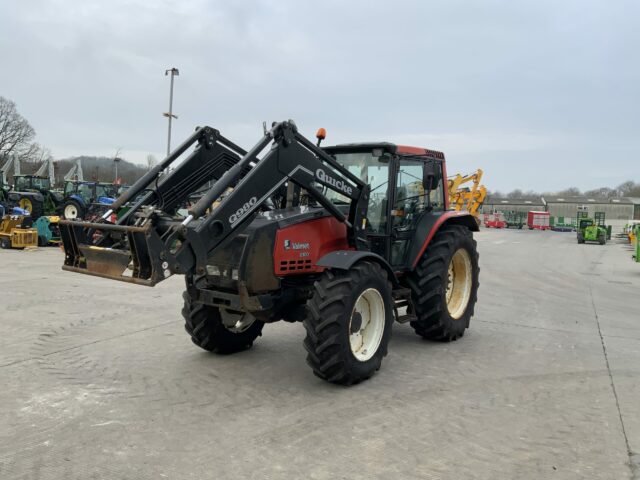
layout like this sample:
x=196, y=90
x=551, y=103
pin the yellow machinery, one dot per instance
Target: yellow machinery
x=13, y=234
x=630, y=231
x=467, y=198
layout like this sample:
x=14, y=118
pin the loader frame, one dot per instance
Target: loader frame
x=151, y=244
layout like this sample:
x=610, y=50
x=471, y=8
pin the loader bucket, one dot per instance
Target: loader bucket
x=132, y=255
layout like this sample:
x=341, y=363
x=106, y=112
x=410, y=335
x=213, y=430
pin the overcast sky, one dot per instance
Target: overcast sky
x=540, y=94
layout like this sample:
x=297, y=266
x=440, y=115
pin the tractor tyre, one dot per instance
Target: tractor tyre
x=602, y=238
x=444, y=285
x=33, y=205
x=72, y=210
x=580, y=237
x=5, y=243
x=219, y=330
x=348, y=323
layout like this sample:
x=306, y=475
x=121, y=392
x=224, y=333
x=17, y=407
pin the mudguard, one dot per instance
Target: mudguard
x=77, y=198
x=345, y=259
x=430, y=224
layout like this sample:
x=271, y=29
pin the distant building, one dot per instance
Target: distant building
x=614, y=208
x=636, y=207
x=503, y=204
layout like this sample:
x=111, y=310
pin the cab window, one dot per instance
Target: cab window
x=412, y=199
x=373, y=170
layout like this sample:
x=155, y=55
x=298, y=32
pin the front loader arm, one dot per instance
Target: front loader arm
x=291, y=158
x=150, y=245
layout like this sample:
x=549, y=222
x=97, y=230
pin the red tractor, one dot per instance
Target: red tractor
x=346, y=239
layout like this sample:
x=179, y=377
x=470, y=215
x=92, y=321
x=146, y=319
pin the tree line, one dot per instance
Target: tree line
x=17, y=138
x=625, y=189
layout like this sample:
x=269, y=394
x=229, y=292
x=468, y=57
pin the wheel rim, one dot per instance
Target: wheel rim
x=70, y=212
x=369, y=311
x=26, y=204
x=459, y=283
x=236, y=322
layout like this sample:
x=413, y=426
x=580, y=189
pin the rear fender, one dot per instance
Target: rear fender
x=345, y=259
x=16, y=196
x=434, y=223
x=77, y=198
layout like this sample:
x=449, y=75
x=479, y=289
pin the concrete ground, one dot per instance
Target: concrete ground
x=99, y=380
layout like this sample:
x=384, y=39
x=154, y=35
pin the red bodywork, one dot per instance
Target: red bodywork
x=299, y=247
x=308, y=242
x=538, y=220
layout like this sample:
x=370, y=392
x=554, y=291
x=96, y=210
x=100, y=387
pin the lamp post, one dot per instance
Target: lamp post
x=116, y=160
x=173, y=72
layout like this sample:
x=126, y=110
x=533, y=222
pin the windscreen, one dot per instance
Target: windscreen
x=103, y=191
x=371, y=169
x=41, y=183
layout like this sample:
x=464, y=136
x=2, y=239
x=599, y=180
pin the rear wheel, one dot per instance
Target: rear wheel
x=349, y=323
x=444, y=285
x=580, y=237
x=219, y=330
x=5, y=243
x=34, y=206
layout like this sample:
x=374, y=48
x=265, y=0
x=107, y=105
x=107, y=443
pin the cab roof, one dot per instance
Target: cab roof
x=389, y=147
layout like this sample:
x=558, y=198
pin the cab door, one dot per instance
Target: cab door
x=418, y=195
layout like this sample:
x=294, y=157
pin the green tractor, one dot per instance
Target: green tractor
x=636, y=242
x=34, y=194
x=591, y=230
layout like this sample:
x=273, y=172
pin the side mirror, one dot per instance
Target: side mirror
x=429, y=176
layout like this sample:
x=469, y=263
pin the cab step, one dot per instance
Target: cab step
x=402, y=299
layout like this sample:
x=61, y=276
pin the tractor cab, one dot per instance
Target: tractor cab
x=89, y=192
x=407, y=194
x=585, y=222
x=30, y=183
x=84, y=190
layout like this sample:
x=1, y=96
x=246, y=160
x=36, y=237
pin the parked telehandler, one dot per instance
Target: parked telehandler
x=589, y=231
x=334, y=237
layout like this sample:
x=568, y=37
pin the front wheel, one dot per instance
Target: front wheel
x=602, y=238
x=219, y=330
x=444, y=285
x=349, y=323
x=72, y=210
